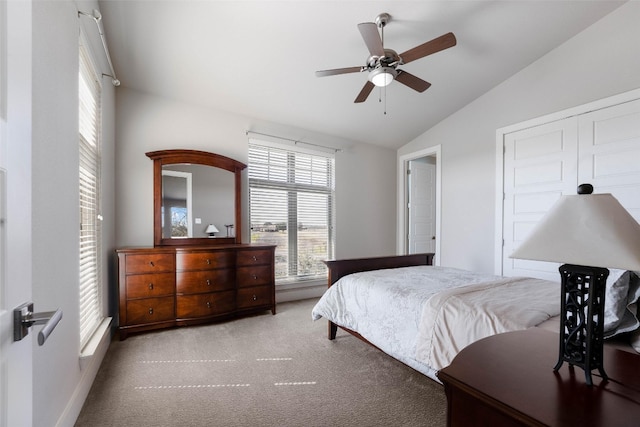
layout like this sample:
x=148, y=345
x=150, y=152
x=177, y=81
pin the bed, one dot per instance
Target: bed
x=423, y=315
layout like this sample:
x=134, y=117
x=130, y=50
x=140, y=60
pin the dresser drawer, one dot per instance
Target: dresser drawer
x=149, y=263
x=254, y=276
x=150, y=310
x=150, y=285
x=201, y=305
x=254, y=297
x=255, y=257
x=191, y=282
x=204, y=260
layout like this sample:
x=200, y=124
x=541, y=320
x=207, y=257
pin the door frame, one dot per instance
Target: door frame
x=16, y=367
x=501, y=135
x=402, y=231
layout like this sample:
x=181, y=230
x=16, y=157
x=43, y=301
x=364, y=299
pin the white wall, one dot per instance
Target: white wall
x=601, y=61
x=365, y=174
x=59, y=383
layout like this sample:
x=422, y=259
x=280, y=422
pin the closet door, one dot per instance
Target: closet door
x=609, y=153
x=540, y=165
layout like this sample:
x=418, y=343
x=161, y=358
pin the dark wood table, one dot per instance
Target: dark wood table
x=508, y=380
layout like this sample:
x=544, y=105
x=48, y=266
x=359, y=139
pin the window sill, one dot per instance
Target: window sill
x=97, y=340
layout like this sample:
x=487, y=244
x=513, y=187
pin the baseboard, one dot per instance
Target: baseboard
x=89, y=364
x=300, y=293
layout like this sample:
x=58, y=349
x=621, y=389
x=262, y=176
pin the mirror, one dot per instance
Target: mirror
x=197, y=198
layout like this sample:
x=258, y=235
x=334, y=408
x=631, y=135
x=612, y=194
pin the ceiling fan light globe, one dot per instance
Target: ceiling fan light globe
x=382, y=76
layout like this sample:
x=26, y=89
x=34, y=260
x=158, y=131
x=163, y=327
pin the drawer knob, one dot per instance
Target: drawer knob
x=150, y=310
x=150, y=286
x=255, y=258
x=255, y=298
x=208, y=261
x=151, y=264
x=208, y=282
x=255, y=277
x=208, y=304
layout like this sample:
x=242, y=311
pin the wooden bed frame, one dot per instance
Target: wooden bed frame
x=343, y=267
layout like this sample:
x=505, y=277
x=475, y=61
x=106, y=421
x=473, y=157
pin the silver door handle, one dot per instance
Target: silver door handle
x=24, y=318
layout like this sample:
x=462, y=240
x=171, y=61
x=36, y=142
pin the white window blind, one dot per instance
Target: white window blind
x=291, y=199
x=89, y=187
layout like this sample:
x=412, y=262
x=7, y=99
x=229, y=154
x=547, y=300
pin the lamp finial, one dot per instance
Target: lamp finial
x=585, y=189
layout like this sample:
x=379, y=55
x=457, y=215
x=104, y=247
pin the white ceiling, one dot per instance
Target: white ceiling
x=257, y=58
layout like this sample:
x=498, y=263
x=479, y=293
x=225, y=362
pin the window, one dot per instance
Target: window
x=291, y=198
x=89, y=186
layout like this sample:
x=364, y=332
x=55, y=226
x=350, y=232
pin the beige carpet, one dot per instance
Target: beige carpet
x=263, y=370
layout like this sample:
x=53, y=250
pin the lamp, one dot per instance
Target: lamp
x=382, y=76
x=589, y=233
x=211, y=230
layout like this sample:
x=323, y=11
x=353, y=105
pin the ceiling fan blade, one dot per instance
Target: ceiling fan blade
x=324, y=73
x=364, y=93
x=412, y=81
x=436, y=45
x=372, y=39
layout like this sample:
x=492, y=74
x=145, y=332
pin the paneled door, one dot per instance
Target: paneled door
x=540, y=165
x=609, y=147
x=422, y=205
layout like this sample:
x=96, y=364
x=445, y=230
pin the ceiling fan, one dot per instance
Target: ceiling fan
x=382, y=64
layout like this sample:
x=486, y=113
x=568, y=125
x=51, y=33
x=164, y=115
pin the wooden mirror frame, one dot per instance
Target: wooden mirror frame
x=170, y=157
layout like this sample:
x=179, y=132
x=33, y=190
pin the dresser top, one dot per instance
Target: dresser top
x=176, y=249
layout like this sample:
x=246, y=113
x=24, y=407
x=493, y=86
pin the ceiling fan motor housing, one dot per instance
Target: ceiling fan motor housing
x=390, y=59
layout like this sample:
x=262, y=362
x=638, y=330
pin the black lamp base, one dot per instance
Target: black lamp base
x=582, y=318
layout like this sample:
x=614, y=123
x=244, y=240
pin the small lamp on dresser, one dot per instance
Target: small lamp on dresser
x=589, y=233
x=211, y=230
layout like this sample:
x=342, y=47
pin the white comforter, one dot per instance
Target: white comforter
x=424, y=315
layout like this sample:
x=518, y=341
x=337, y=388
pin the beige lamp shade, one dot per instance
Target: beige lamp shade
x=211, y=229
x=587, y=229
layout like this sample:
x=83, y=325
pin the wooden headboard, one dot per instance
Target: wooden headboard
x=342, y=267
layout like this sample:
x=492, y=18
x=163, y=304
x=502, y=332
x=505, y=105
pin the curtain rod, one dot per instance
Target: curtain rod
x=97, y=17
x=295, y=141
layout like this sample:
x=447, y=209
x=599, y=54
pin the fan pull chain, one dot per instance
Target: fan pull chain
x=380, y=96
x=385, y=100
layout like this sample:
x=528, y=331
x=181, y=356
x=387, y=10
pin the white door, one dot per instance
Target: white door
x=540, y=165
x=609, y=147
x=601, y=148
x=421, y=179
x=16, y=381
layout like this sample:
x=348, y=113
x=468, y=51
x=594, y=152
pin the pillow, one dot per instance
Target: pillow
x=620, y=313
x=634, y=337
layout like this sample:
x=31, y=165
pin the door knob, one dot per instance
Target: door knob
x=24, y=318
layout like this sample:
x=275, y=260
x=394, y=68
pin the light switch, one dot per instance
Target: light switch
x=198, y=220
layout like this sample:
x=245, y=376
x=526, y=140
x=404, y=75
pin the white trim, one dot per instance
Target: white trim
x=401, y=231
x=89, y=366
x=599, y=104
x=499, y=200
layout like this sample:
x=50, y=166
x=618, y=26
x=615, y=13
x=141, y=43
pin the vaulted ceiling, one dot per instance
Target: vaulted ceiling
x=258, y=58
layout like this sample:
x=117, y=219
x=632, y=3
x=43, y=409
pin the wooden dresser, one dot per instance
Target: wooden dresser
x=163, y=287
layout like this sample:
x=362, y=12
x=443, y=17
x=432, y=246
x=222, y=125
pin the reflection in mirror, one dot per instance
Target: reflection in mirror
x=176, y=204
x=212, y=200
